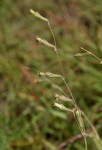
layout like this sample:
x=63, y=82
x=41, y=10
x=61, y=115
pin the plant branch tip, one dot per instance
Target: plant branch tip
x=62, y=97
x=44, y=42
x=62, y=107
x=37, y=15
x=48, y=75
x=82, y=54
x=83, y=48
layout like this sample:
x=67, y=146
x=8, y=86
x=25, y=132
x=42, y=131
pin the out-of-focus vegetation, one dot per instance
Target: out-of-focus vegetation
x=28, y=120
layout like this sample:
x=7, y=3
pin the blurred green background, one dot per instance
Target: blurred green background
x=28, y=120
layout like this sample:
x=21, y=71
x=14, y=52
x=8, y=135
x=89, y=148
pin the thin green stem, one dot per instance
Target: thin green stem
x=62, y=71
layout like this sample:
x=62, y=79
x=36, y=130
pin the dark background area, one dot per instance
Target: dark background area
x=28, y=120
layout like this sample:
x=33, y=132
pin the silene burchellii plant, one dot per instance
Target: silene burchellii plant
x=78, y=114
